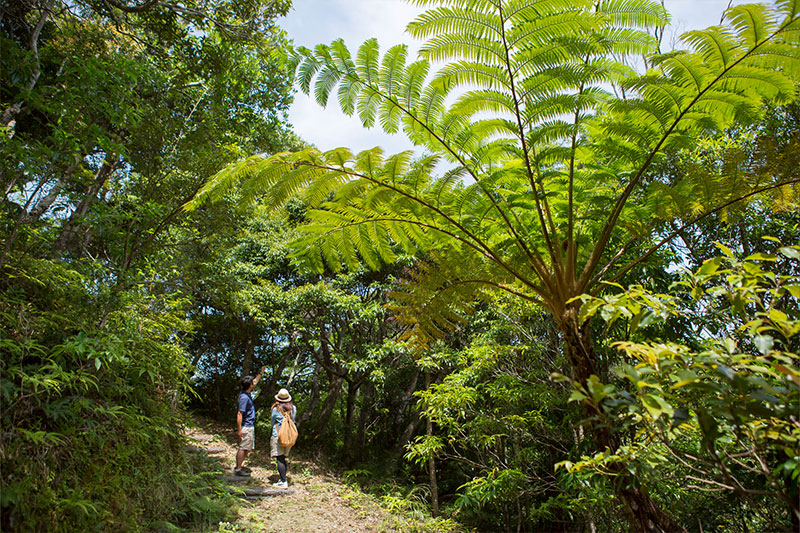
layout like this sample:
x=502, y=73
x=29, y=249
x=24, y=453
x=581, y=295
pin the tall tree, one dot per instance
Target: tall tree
x=551, y=176
x=193, y=85
x=111, y=115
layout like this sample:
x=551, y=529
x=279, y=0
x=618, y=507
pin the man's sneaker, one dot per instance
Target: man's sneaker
x=240, y=472
x=281, y=485
x=245, y=469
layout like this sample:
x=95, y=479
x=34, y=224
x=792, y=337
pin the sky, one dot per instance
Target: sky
x=311, y=22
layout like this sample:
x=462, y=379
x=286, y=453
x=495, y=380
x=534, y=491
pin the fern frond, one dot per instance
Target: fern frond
x=553, y=81
x=623, y=41
x=442, y=47
x=369, y=162
x=455, y=20
x=352, y=191
x=688, y=71
x=751, y=23
x=484, y=101
x=367, y=61
x=414, y=77
x=340, y=55
x=544, y=161
x=225, y=180
x=428, y=110
x=557, y=105
x=472, y=73
x=326, y=76
x=773, y=85
x=634, y=13
x=392, y=80
x=716, y=45
x=307, y=68
x=561, y=30
x=348, y=93
x=520, y=11
x=392, y=70
x=368, y=104
x=397, y=165
x=550, y=132
x=789, y=9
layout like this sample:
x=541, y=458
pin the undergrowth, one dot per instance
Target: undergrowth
x=407, y=507
x=90, y=381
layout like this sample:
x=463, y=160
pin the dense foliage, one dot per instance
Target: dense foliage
x=717, y=410
x=112, y=115
x=563, y=174
x=575, y=309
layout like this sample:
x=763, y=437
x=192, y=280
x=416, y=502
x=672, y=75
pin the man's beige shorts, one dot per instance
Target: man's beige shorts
x=276, y=449
x=248, y=441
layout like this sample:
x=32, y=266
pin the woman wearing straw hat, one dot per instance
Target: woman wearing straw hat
x=282, y=407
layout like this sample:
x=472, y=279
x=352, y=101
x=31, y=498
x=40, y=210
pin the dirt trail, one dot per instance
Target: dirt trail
x=321, y=502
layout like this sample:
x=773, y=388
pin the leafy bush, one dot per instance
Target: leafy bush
x=91, y=434
x=718, y=412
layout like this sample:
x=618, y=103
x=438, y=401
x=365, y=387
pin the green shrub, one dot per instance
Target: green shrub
x=91, y=431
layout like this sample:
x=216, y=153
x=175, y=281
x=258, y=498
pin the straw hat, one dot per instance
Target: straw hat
x=283, y=396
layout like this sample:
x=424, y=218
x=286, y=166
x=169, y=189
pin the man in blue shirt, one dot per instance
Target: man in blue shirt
x=245, y=422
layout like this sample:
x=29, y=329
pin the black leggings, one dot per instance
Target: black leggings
x=281, y=459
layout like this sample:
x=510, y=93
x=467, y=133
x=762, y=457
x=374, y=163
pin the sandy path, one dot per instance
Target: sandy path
x=321, y=502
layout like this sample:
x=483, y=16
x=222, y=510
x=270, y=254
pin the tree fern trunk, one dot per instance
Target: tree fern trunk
x=643, y=514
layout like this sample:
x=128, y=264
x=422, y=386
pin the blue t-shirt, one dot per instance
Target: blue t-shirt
x=277, y=418
x=248, y=408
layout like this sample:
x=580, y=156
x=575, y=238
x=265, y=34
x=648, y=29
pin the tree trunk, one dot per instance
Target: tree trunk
x=18, y=223
x=293, y=372
x=411, y=426
x=249, y=352
x=30, y=212
x=431, y=460
x=45, y=203
x=368, y=392
x=278, y=370
x=643, y=514
x=405, y=436
x=69, y=230
x=743, y=233
x=312, y=406
x=9, y=185
x=352, y=392
x=407, y=396
x=9, y=114
x=334, y=390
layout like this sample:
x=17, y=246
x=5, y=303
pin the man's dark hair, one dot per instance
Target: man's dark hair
x=246, y=382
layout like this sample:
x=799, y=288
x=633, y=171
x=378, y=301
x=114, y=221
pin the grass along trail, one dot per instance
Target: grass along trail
x=318, y=501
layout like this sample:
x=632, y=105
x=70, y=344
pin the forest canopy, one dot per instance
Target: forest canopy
x=573, y=307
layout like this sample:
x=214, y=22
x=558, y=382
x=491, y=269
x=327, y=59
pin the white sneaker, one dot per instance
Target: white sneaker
x=281, y=485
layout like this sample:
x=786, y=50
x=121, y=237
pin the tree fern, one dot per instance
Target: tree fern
x=545, y=157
